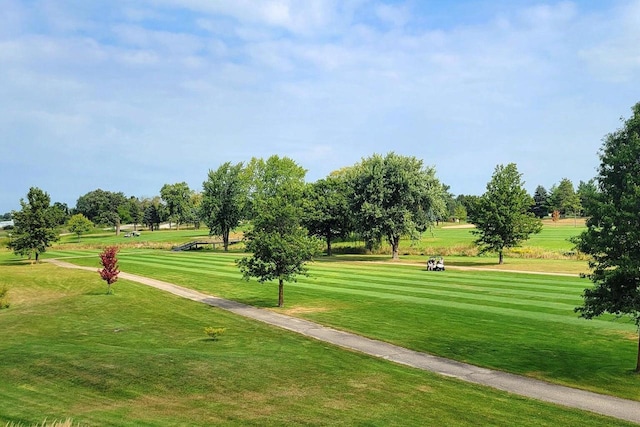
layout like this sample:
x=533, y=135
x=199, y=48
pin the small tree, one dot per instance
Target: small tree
x=280, y=246
x=109, y=272
x=79, y=224
x=502, y=214
x=34, y=225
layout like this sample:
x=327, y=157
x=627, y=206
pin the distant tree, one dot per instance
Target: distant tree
x=102, y=207
x=280, y=247
x=177, y=198
x=34, y=228
x=540, y=206
x=394, y=196
x=109, y=271
x=613, y=228
x=326, y=209
x=60, y=213
x=223, y=200
x=587, y=191
x=153, y=213
x=79, y=224
x=460, y=212
x=470, y=204
x=5, y=216
x=135, y=211
x=565, y=199
x=195, y=205
x=501, y=216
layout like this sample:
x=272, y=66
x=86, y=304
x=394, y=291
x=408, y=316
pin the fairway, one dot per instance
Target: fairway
x=140, y=357
x=521, y=323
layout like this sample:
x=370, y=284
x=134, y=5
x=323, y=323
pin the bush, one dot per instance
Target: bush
x=4, y=300
x=214, y=333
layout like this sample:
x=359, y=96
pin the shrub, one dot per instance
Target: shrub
x=214, y=333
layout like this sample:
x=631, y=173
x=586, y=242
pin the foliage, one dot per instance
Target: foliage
x=587, y=191
x=393, y=196
x=326, y=209
x=102, y=207
x=612, y=237
x=223, y=200
x=564, y=199
x=34, y=225
x=540, y=206
x=280, y=247
x=109, y=272
x=178, y=200
x=214, y=333
x=154, y=212
x=501, y=214
x=79, y=224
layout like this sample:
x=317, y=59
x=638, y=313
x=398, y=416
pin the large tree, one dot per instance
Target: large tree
x=34, y=229
x=502, y=214
x=280, y=247
x=394, y=196
x=612, y=237
x=102, y=207
x=223, y=200
x=178, y=200
x=326, y=209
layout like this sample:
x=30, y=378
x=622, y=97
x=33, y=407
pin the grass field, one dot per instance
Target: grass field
x=522, y=323
x=140, y=358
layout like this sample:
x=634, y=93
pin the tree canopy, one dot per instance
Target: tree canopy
x=79, y=224
x=178, y=198
x=223, y=200
x=34, y=224
x=280, y=247
x=393, y=196
x=102, y=207
x=502, y=214
x=612, y=237
x=326, y=209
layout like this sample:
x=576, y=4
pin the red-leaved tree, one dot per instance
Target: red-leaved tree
x=109, y=262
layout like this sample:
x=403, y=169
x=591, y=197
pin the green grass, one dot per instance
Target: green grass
x=140, y=357
x=519, y=323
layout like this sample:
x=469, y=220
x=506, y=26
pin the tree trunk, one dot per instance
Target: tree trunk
x=280, y=293
x=225, y=239
x=328, y=246
x=37, y=256
x=395, y=244
x=500, y=259
x=118, y=227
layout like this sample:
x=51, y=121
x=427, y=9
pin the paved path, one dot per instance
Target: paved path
x=623, y=409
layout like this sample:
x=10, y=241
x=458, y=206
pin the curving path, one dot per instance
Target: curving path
x=623, y=409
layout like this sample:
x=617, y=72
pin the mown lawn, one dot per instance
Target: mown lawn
x=521, y=323
x=140, y=358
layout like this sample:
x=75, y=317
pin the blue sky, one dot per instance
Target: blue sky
x=131, y=95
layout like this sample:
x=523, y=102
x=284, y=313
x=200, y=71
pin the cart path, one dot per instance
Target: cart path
x=623, y=409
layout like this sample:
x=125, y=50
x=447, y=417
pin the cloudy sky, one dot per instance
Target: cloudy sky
x=131, y=95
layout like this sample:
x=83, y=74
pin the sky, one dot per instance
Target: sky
x=131, y=95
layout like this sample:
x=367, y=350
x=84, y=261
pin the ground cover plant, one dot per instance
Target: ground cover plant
x=139, y=357
x=521, y=323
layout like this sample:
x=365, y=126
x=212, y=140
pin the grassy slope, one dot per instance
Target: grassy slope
x=514, y=322
x=140, y=357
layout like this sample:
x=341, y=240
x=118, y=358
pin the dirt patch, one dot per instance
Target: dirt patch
x=304, y=310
